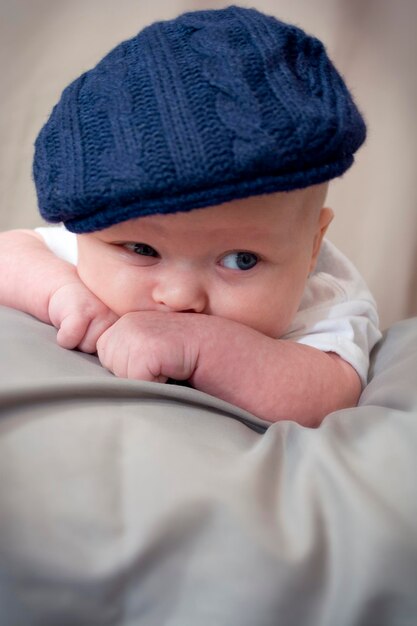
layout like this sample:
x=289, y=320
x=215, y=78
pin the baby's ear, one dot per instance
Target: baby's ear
x=325, y=218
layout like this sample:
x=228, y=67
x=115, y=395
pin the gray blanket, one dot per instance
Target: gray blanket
x=136, y=504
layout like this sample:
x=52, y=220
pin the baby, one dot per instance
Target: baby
x=189, y=170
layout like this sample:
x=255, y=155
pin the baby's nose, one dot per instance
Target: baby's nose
x=181, y=291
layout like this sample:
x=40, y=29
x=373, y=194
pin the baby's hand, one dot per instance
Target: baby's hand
x=151, y=346
x=79, y=316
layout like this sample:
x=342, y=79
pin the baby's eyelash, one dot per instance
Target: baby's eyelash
x=142, y=249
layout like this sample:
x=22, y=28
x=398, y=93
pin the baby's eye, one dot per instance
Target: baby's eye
x=142, y=248
x=240, y=260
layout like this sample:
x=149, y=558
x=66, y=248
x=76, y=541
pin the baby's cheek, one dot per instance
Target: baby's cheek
x=274, y=327
x=274, y=318
x=267, y=320
x=100, y=283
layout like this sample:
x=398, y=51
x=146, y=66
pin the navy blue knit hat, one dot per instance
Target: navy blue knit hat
x=206, y=108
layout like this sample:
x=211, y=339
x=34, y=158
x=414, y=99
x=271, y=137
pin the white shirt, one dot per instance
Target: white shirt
x=337, y=312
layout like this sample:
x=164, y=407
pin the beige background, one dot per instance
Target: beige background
x=47, y=43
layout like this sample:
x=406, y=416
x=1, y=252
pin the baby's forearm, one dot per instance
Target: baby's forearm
x=275, y=379
x=30, y=273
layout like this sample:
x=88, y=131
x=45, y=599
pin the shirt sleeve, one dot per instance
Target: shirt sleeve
x=61, y=242
x=337, y=312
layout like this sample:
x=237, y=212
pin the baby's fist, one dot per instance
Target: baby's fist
x=151, y=346
x=81, y=318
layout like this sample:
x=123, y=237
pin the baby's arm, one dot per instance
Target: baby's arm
x=34, y=280
x=277, y=379
x=274, y=379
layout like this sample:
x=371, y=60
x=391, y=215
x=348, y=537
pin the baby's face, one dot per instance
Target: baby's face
x=247, y=260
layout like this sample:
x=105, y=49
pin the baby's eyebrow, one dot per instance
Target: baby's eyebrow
x=215, y=231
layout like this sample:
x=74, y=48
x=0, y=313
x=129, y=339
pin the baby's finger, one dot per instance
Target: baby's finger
x=136, y=365
x=104, y=347
x=71, y=331
x=94, y=331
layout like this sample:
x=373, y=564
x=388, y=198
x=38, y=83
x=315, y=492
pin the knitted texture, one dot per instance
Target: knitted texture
x=203, y=109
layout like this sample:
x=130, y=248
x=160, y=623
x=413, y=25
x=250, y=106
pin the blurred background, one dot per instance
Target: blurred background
x=47, y=43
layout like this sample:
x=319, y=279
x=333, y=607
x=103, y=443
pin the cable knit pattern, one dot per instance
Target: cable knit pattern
x=236, y=106
x=209, y=107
